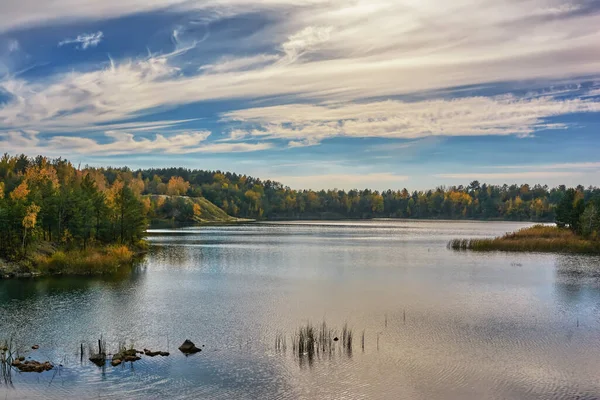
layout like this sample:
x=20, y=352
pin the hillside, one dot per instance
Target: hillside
x=187, y=210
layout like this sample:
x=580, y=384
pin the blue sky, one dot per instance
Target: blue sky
x=313, y=93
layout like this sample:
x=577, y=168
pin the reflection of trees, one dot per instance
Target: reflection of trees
x=577, y=278
x=172, y=256
x=31, y=289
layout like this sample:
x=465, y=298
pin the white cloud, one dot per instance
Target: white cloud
x=305, y=124
x=84, y=40
x=304, y=41
x=13, y=45
x=576, y=165
x=119, y=143
x=504, y=176
x=341, y=181
x=331, y=56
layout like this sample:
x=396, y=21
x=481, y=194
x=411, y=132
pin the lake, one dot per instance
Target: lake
x=437, y=324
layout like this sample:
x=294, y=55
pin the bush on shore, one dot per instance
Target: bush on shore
x=538, y=238
x=84, y=262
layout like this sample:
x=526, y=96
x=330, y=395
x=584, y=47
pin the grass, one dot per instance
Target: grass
x=538, y=238
x=310, y=341
x=8, y=354
x=84, y=262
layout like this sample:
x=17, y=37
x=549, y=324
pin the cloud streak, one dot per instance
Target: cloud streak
x=84, y=40
x=305, y=124
x=342, y=181
x=119, y=143
x=328, y=61
x=505, y=176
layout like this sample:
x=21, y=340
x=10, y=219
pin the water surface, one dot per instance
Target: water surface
x=437, y=323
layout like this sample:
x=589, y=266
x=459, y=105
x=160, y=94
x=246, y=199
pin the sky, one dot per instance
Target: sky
x=312, y=93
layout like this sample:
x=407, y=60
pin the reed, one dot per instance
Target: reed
x=310, y=341
x=84, y=262
x=538, y=238
x=8, y=354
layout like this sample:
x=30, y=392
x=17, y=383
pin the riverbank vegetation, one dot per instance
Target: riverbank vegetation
x=577, y=230
x=57, y=218
x=538, y=238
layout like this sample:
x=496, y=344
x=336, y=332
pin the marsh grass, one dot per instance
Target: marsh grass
x=538, y=238
x=8, y=354
x=84, y=262
x=310, y=341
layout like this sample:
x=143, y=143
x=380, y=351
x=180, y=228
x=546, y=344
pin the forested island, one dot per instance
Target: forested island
x=61, y=218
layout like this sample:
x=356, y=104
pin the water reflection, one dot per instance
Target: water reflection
x=436, y=323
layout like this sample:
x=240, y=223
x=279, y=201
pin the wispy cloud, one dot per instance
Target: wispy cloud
x=84, y=40
x=507, y=176
x=342, y=181
x=329, y=59
x=13, y=45
x=306, y=124
x=118, y=143
x=576, y=165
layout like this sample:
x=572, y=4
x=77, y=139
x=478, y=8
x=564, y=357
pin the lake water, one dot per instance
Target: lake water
x=438, y=324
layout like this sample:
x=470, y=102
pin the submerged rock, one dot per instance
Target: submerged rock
x=151, y=353
x=98, y=359
x=130, y=355
x=188, y=347
x=32, y=366
x=35, y=347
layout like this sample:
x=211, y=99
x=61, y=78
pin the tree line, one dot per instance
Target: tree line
x=248, y=197
x=51, y=200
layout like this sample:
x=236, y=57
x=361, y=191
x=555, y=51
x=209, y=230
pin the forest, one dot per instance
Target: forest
x=52, y=201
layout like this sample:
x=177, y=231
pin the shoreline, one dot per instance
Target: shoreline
x=75, y=262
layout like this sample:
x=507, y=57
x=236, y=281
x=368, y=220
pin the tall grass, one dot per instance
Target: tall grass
x=85, y=262
x=309, y=341
x=8, y=354
x=538, y=238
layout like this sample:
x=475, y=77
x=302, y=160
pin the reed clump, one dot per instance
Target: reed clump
x=538, y=238
x=85, y=262
x=310, y=340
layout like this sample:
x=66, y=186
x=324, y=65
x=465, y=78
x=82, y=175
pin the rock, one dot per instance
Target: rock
x=98, y=359
x=32, y=366
x=188, y=347
x=35, y=347
x=22, y=358
x=131, y=358
x=150, y=353
x=115, y=362
x=335, y=339
x=165, y=353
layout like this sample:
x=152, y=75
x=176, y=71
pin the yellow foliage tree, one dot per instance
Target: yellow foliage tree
x=177, y=186
x=30, y=219
x=41, y=174
x=197, y=210
x=20, y=192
